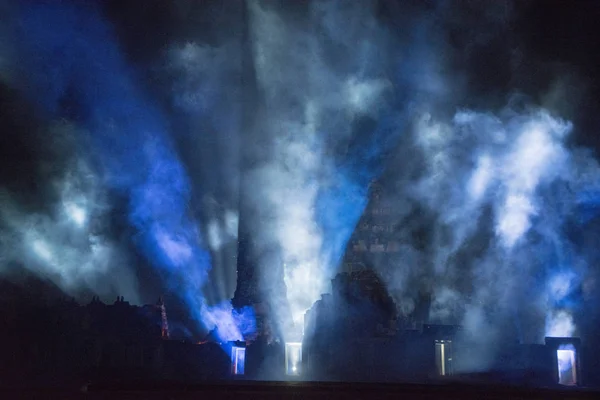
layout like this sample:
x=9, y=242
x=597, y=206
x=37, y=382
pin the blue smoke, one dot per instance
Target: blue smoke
x=68, y=53
x=588, y=204
x=561, y=282
x=340, y=206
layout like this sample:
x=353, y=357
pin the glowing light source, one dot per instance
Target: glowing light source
x=76, y=213
x=567, y=365
x=443, y=357
x=238, y=360
x=293, y=358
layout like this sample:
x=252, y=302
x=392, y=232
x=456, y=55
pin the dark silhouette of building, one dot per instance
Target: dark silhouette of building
x=359, y=308
x=374, y=238
x=50, y=340
x=352, y=335
x=376, y=241
x=163, y=318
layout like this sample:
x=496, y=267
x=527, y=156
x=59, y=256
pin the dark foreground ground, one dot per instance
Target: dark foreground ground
x=294, y=390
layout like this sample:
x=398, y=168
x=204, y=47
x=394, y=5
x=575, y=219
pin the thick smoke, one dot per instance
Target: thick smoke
x=499, y=190
x=481, y=160
x=316, y=87
x=502, y=189
x=204, y=72
x=67, y=242
x=205, y=94
x=88, y=80
x=486, y=189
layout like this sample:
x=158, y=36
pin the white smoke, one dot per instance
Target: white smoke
x=482, y=165
x=311, y=104
x=560, y=324
x=222, y=232
x=482, y=178
x=537, y=156
x=205, y=90
x=67, y=244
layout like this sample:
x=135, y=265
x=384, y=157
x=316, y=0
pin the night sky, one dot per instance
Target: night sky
x=124, y=125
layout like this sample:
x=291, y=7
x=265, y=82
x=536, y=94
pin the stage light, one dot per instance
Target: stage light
x=293, y=358
x=238, y=360
x=443, y=357
x=566, y=356
x=566, y=364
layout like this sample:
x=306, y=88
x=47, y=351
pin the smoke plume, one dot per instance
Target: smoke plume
x=68, y=241
x=90, y=81
x=492, y=199
x=309, y=190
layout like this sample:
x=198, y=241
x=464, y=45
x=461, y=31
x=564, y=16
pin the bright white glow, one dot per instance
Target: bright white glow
x=55, y=245
x=214, y=235
x=305, y=279
x=293, y=358
x=76, y=213
x=559, y=324
x=533, y=156
x=567, y=365
x=177, y=249
x=537, y=155
x=514, y=220
x=324, y=103
x=443, y=356
x=231, y=223
x=42, y=250
x=517, y=157
x=297, y=234
x=363, y=95
x=222, y=316
x=481, y=178
x=238, y=360
x=220, y=233
x=70, y=265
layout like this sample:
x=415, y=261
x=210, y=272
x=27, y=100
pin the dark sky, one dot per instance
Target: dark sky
x=536, y=42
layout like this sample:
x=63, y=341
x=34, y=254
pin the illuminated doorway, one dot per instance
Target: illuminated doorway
x=443, y=357
x=293, y=358
x=238, y=360
x=566, y=356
